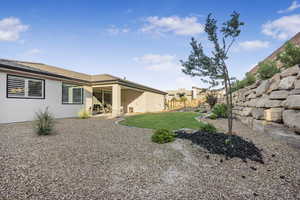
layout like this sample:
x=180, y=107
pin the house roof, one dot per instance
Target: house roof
x=58, y=72
x=295, y=40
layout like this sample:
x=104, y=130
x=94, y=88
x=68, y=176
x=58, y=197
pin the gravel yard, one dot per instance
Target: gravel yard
x=98, y=159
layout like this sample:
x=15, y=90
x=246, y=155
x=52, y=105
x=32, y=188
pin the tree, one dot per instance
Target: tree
x=213, y=69
x=290, y=56
x=211, y=98
x=267, y=70
x=183, y=99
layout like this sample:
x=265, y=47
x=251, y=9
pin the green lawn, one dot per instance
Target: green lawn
x=168, y=120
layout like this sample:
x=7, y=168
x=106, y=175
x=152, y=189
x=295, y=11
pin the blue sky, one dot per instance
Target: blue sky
x=140, y=40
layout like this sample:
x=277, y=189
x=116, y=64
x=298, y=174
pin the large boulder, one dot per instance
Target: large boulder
x=258, y=125
x=287, y=83
x=294, y=92
x=280, y=132
x=246, y=111
x=297, y=84
x=274, y=83
x=290, y=71
x=258, y=113
x=264, y=86
x=293, y=101
x=261, y=102
x=291, y=118
x=272, y=103
x=280, y=94
x=273, y=114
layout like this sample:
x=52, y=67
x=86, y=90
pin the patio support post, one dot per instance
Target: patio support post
x=88, y=95
x=116, y=100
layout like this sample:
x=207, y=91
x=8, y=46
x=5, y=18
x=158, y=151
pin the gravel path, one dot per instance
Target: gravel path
x=98, y=159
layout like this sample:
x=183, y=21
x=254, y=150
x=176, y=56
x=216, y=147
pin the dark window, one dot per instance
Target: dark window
x=22, y=87
x=72, y=94
x=35, y=88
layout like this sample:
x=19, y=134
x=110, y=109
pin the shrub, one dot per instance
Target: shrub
x=163, y=136
x=248, y=80
x=83, y=114
x=220, y=110
x=44, y=122
x=209, y=128
x=213, y=116
x=290, y=55
x=267, y=70
x=211, y=99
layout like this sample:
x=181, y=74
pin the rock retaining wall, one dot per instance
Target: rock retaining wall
x=273, y=105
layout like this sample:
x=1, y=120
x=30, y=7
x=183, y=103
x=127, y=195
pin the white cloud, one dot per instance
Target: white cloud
x=113, y=30
x=292, y=7
x=10, y=29
x=186, y=82
x=282, y=28
x=174, y=24
x=253, y=45
x=32, y=52
x=157, y=62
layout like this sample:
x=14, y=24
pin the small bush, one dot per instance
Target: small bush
x=83, y=114
x=290, y=56
x=208, y=128
x=211, y=99
x=249, y=79
x=213, y=116
x=163, y=136
x=267, y=70
x=44, y=122
x=220, y=110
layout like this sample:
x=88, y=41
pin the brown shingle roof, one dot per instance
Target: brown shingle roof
x=295, y=40
x=52, y=70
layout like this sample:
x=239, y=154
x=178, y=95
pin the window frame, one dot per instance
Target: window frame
x=26, y=79
x=82, y=94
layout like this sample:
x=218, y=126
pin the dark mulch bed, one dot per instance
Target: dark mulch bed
x=228, y=145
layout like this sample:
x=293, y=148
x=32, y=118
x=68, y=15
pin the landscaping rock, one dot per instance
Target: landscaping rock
x=273, y=114
x=297, y=84
x=278, y=131
x=291, y=118
x=261, y=102
x=247, y=121
x=272, y=103
x=290, y=71
x=293, y=101
x=246, y=111
x=264, y=86
x=284, y=104
x=258, y=113
x=294, y=92
x=287, y=83
x=259, y=125
x=281, y=94
x=275, y=81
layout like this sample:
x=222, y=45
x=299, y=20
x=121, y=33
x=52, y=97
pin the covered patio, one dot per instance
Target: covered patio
x=116, y=99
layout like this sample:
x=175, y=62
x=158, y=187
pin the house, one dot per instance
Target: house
x=294, y=40
x=28, y=87
x=195, y=93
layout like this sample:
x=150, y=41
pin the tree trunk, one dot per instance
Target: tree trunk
x=229, y=101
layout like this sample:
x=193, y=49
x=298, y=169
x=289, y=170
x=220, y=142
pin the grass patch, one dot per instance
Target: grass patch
x=166, y=120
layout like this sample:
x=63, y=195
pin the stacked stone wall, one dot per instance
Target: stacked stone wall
x=271, y=105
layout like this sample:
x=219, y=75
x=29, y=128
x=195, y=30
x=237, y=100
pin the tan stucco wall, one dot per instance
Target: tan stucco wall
x=154, y=102
x=142, y=101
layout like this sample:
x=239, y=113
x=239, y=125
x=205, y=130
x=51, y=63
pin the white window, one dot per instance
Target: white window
x=72, y=94
x=23, y=87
